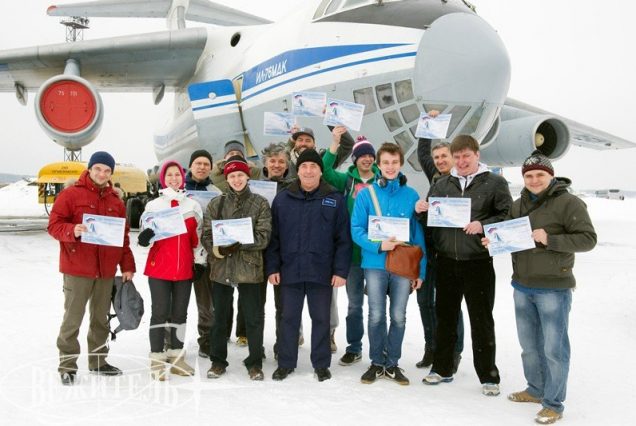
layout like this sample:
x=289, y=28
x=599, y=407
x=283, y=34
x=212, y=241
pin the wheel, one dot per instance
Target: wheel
x=134, y=209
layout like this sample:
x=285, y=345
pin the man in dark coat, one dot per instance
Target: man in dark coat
x=309, y=252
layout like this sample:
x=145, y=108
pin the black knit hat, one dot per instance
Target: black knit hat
x=102, y=157
x=537, y=161
x=199, y=153
x=309, y=155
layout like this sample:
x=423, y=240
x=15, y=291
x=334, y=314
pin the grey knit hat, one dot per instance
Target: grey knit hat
x=537, y=161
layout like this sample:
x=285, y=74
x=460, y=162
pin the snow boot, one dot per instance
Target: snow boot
x=158, y=365
x=180, y=367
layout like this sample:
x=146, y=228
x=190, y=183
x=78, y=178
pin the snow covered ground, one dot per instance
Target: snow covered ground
x=601, y=386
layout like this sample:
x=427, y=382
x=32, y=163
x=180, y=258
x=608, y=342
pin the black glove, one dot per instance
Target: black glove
x=145, y=236
x=198, y=270
x=228, y=250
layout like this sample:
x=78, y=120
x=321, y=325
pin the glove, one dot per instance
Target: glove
x=228, y=250
x=145, y=236
x=198, y=271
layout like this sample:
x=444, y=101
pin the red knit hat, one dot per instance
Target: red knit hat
x=236, y=163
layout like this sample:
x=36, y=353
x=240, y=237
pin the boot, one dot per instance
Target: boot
x=158, y=365
x=176, y=357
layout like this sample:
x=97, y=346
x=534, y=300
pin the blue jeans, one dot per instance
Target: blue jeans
x=542, y=328
x=355, y=322
x=385, y=349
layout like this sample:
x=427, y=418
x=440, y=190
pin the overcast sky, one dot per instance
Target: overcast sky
x=573, y=58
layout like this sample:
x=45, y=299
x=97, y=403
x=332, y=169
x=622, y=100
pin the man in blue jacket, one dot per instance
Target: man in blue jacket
x=396, y=200
x=309, y=252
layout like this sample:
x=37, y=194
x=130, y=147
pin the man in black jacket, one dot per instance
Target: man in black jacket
x=309, y=252
x=464, y=267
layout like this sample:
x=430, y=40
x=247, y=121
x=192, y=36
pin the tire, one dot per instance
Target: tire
x=134, y=209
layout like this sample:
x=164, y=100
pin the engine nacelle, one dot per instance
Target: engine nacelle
x=516, y=139
x=70, y=111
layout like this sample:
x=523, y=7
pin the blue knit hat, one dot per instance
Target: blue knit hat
x=362, y=147
x=102, y=157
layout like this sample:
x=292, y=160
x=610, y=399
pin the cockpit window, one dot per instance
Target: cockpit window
x=321, y=9
x=350, y=3
x=333, y=6
x=365, y=97
x=384, y=93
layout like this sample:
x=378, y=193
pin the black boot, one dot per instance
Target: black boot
x=322, y=374
x=281, y=373
x=427, y=359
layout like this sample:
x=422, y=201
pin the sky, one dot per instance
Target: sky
x=573, y=58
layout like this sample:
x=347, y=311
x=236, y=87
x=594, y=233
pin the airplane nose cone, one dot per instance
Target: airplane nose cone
x=462, y=61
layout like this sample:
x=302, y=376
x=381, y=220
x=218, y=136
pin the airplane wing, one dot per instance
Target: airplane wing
x=137, y=62
x=197, y=10
x=580, y=134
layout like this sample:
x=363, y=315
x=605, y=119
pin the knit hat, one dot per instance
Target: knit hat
x=102, y=157
x=303, y=131
x=236, y=163
x=164, y=168
x=234, y=146
x=309, y=155
x=199, y=153
x=362, y=147
x=537, y=161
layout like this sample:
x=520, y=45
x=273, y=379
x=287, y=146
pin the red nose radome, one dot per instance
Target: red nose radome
x=68, y=106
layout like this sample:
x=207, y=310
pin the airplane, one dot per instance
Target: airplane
x=399, y=58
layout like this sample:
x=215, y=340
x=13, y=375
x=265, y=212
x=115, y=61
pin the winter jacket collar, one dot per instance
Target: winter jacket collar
x=355, y=173
x=322, y=191
x=86, y=182
x=464, y=181
x=194, y=185
x=558, y=186
x=171, y=194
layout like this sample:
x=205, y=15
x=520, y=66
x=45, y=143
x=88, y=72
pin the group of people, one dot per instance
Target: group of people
x=313, y=239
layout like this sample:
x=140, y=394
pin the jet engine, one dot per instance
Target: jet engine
x=511, y=141
x=70, y=111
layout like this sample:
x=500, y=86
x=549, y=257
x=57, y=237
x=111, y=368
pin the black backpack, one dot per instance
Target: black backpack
x=128, y=305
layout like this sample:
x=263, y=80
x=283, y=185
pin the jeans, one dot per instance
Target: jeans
x=473, y=280
x=170, y=301
x=385, y=349
x=542, y=328
x=250, y=297
x=355, y=322
x=426, y=303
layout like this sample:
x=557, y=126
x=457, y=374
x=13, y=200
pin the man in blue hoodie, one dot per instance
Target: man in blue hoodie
x=395, y=199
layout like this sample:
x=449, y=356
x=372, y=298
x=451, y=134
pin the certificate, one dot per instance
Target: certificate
x=264, y=188
x=165, y=223
x=448, y=212
x=202, y=197
x=433, y=127
x=382, y=228
x=277, y=123
x=343, y=113
x=309, y=104
x=229, y=231
x=103, y=230
x=509, y=236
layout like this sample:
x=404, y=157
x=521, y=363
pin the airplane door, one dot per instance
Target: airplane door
x=216, y=113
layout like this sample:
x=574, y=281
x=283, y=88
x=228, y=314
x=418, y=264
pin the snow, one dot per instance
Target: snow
x=600, y=391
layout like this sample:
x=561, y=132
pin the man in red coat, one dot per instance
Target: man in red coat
x=88, y=269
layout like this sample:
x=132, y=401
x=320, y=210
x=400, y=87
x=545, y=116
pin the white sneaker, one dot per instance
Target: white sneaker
x=490, y=389
x=436, y=379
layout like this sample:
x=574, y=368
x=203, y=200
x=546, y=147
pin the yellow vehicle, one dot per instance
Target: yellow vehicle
x=133, y=183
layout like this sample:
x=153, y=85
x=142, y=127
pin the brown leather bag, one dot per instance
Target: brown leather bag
x=404, y=260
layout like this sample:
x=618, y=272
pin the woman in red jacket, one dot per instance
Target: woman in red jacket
x=170, y=272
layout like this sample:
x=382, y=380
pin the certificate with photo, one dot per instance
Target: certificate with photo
x=509, y=236
x=202, y=197
x=278, y=123
x=165, y=223
x=103, y=230
x=382, y=228
x=343, y=113
x=226, y=232
x=448, y=212
x=264, y=188
x=433, y=127
x=309, y=104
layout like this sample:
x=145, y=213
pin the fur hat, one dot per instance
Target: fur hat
x=537, y=161
x=102, y=157
x=309, y=155
x=200, y=153
x=234, y=146
x=236, y=163
x=362, y=147
x=164, y=168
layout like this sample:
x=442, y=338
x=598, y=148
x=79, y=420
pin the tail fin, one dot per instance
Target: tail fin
x=176, y=12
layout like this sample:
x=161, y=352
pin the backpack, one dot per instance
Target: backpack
x=128, y=305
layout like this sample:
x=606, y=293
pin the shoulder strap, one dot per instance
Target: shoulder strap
x=219, y=213
x=348, y=188
x=374, y=199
